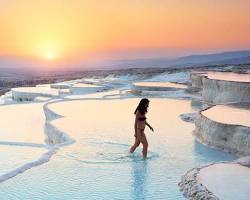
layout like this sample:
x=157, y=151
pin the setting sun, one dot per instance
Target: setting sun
x=50, y=55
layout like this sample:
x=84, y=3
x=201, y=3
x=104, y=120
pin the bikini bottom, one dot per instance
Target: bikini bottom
x=139, y=131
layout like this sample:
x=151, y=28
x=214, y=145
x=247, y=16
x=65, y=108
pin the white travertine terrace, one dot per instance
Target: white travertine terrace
x=226, y=181
x=85, y=85
x=80, y=88
x=18, y=156
x=225, y=127
x=221, y=91
x=41, y=99
x=98, y=95
x=222, y=87
x=229, y=76
x=64, y=91
x=30, y=93
x=228, y=115
x=158, y=86
x=43, y=85
x=218, y=181
x=28, y=126
x=196, y=79
x=60, y=86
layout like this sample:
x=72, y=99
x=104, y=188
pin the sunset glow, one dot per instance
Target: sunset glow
x=82, y=29
x=50, y=55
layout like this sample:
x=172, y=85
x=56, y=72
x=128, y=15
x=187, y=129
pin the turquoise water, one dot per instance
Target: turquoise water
x=98, y=165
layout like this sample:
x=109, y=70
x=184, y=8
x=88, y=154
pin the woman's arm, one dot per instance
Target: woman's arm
x=151, y=128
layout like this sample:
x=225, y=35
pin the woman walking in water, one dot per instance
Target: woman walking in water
x=139, y=126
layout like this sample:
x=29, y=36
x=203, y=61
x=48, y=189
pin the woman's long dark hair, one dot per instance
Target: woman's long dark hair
x=143, y=109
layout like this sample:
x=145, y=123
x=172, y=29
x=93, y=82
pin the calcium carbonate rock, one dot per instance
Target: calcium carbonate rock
x=192, y=188
x=189, y=117
x=230, y=132
x=222, y=87
x=30, y=93
x=83, y=88
x=64, y=91
x=157, y=86
x=60, y=86
x=222, y=91
x=196, y=79
x=245, y=161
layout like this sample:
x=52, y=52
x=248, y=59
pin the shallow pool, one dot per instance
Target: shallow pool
x=98, y=165
x=228, y=115
x=22, y=123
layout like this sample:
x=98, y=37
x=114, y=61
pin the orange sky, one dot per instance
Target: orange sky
x=81, y=29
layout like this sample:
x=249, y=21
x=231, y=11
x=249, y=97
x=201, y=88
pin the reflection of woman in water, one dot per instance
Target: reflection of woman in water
x=139, y=180
x=140, y=123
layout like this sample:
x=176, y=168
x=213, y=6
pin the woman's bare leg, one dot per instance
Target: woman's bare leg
x=142, y=138
x=136, y=144
x=145, y=145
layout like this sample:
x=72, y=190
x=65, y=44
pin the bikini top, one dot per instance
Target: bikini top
x=142, y=118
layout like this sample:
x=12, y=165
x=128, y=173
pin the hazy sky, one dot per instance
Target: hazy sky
x=98, y=29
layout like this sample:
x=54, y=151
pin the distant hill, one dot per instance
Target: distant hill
x=212, y=57
x=232, y=61
x=235, y=57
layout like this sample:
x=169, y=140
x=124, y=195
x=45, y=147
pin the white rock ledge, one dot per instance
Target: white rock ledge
x=189, y=117
x=30, y=93
x=223, y=180
x=234, y=138
x=83, y=88
x=222, y=87
x=158, y=86
x=196, y=79
x=192, y=188
x=55, y=137
x=222, y=91
x=60, y=86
